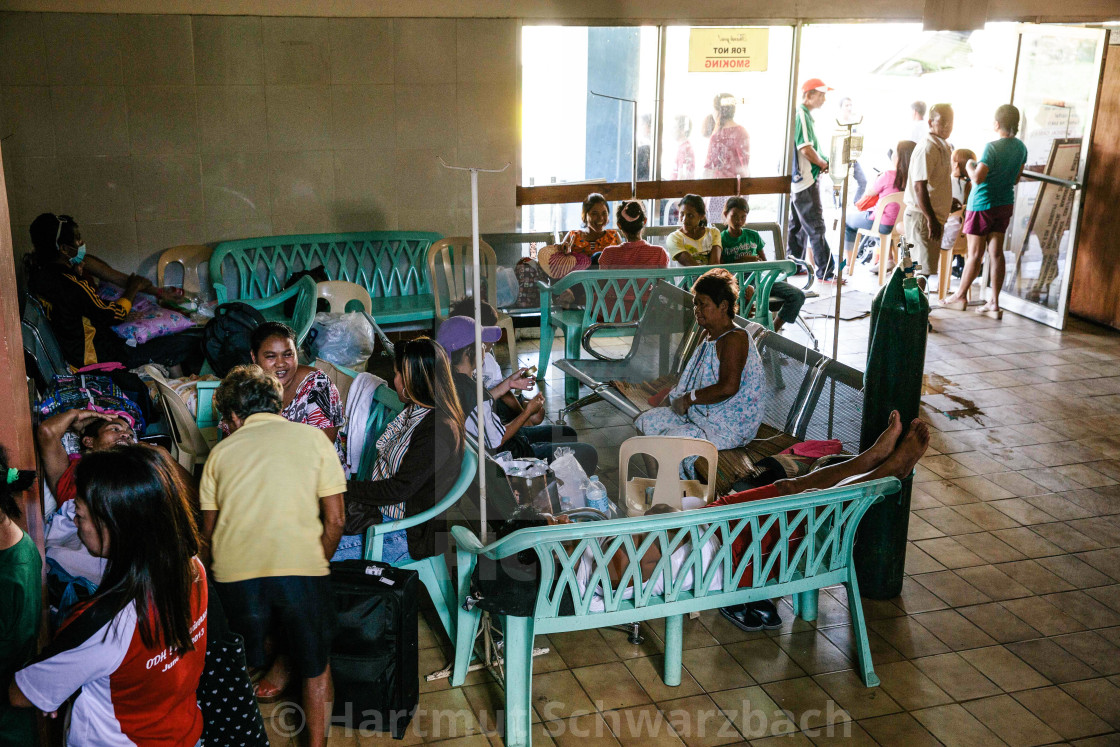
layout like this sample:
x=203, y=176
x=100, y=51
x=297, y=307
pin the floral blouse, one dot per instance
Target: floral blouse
x=316, y=403
x=580, y=244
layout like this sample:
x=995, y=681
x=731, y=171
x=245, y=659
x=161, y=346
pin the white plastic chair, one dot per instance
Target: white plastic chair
x=668, y=488
x=454, y=257
x=189, y=257
x=190, y=445
x=887, y=242
x=339, y=293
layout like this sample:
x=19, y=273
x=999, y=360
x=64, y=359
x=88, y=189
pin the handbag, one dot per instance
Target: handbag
x=867, y=202
x=225, y=694
x=361, y=516
x=89, y=392
x=528, y=273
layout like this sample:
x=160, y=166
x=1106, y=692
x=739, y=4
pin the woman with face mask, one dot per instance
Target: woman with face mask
x=64, y=277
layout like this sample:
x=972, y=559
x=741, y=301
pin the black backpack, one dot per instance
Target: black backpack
x=226, y=338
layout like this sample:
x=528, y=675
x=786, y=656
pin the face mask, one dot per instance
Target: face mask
x=81, y=255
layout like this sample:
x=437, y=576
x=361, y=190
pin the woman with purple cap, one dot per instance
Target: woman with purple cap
x=523, y=441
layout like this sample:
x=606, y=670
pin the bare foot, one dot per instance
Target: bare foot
x=878, y=452
x=907, y=452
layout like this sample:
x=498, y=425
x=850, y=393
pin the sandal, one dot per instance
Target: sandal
x=988, y=311
x=960, y=305
x=267, y=692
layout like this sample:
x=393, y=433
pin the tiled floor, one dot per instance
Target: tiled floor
x=1008, y=626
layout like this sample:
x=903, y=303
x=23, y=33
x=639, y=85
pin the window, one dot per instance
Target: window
x=571, y=135
x=758, y=102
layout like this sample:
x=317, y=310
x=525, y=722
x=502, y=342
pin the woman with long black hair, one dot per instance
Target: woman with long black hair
x=418, y=456
x=135, y=651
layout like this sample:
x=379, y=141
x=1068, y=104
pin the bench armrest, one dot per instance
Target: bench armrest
x=599, y=327
x=466, y=475
x=304, y=291
x=220, y=293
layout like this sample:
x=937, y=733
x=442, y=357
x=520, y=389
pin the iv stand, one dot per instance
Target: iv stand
x=478, y=354
x=849, y=126
x=490, y=657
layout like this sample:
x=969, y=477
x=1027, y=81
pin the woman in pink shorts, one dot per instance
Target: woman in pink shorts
x=989, y=209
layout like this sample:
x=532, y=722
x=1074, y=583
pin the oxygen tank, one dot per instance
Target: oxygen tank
x=893, y=381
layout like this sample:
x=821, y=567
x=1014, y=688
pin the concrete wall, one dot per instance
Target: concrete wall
x=157, y=130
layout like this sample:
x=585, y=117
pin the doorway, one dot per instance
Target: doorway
x=1051, y=73
x=1057, y=82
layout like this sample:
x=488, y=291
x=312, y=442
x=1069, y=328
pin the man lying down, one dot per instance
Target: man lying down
x=511, y=588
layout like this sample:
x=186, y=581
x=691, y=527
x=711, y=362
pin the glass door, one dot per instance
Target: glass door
x=752, y=101
x=1057, y=78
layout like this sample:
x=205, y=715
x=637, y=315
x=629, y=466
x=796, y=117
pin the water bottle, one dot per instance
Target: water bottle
x=596, y=494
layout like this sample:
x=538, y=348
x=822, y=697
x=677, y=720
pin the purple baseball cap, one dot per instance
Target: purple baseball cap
x=457, y=332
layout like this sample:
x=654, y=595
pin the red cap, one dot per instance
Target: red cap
x=815, y=84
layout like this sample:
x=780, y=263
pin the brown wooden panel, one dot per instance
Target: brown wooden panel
x=1095, y=292
x=15, y=408
x=710, y=12
x=558, y=194
x=15, y=420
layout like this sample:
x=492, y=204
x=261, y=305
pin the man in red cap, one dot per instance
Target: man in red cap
x=806, y=219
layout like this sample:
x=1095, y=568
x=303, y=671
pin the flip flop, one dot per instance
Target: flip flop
x=266, y=692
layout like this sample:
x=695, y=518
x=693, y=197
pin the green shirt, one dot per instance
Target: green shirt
x=738, y=248
x=21, y=605
x=1005, y=158
x=806, y=134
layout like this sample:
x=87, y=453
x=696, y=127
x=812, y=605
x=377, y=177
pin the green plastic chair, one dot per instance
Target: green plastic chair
x=433, y=571
x=272, y=308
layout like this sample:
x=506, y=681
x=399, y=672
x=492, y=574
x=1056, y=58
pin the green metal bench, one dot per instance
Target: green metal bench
x=606, y=291
x=828, y=519
x=433, y=571
x=391, y=265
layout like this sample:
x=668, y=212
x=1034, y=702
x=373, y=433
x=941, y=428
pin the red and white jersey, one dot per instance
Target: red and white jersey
x=130, y=694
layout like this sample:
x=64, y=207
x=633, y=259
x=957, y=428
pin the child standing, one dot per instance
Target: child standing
x=962, y=187
x=990, y=207
x=742, y=244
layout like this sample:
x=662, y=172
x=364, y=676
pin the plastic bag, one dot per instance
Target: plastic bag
x=527, y=478
x=570, y=478
x=507, y=288
x=343, y=339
